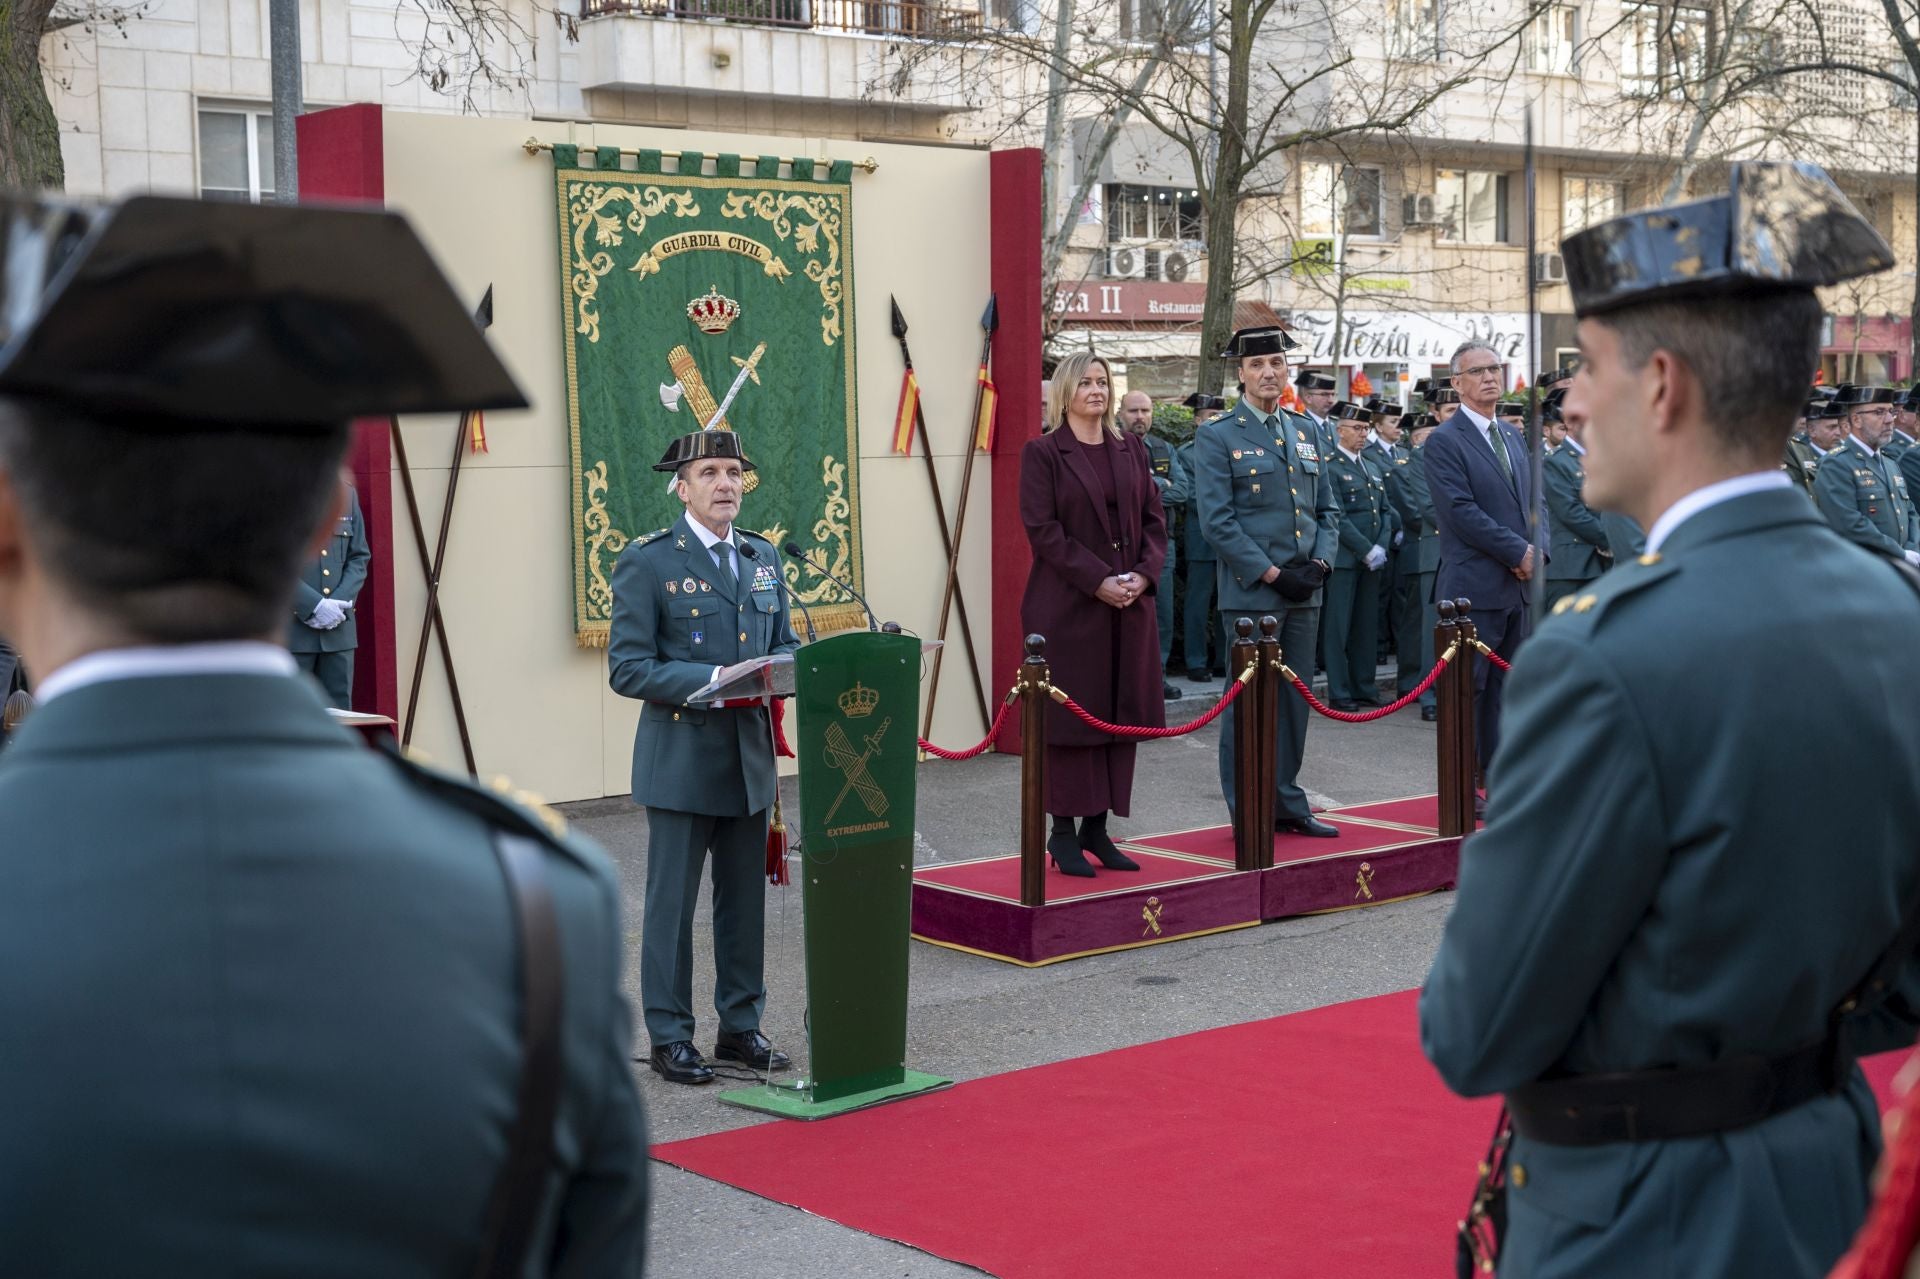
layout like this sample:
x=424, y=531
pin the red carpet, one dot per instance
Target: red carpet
x=1000, y=876
x=1315, y=1144
x=1217, y=841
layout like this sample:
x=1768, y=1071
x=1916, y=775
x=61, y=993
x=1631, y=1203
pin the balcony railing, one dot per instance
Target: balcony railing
x=867, y=17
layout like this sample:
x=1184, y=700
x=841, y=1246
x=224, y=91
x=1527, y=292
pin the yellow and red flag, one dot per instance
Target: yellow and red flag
x=989, y=400
x=903, y=417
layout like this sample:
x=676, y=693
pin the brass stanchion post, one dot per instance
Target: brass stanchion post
x=1033, y=773
x=1446, y=637
x=1246, y=746
x=1270, y=693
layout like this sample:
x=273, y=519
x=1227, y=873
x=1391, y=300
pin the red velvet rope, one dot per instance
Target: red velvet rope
x=1135, y=732
x=1365, y=717
x=971, y=751
x=1492, y=656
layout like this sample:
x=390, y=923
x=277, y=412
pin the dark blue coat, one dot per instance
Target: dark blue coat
x=1484, y=533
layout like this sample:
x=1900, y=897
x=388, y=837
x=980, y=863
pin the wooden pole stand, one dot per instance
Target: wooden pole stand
x=1034, y=681
x=1245, y=727
x=1270, y=693
x=1455, y=723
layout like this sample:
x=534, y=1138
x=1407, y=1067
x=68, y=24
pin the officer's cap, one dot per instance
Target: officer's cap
x=1200, y=402
x=1384, y=408
x=702, y=444
x=1347, y=411
x=1780, y=226
x=281, y=316
x=1308, y=380
x=1859, y=397
x=1562, y=374
x=1421, y=422
x=1910, y=399
x=1266, y=339
x=1443, y=395
x=1510, y=409
x=1833, y=409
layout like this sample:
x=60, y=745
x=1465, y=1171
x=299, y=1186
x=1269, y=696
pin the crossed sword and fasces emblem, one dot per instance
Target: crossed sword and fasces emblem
x=690, y=385
x=853, y=764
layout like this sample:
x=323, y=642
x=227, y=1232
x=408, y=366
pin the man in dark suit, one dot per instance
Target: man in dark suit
x=1484, y=503
x=1648, y=954
x=687, y=601
x=276, y=1004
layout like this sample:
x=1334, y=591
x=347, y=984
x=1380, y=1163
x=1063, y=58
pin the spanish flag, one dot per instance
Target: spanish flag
x=989, y=399
x=903, y=417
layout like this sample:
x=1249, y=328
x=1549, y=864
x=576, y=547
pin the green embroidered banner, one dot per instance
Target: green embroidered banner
x=692, y=301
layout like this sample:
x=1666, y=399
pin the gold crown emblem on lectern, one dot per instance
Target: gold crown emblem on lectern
x=712, y=312
x=858, y=701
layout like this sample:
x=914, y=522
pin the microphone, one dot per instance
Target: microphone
x=793, y=549
x=746, y=548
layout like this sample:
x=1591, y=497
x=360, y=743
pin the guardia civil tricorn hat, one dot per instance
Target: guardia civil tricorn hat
x=1200, y=402
x=1266, y=339
x=1780, y=226
x=1346, y=411
x=278, y=316
x=699, y=444
x=1309, y=380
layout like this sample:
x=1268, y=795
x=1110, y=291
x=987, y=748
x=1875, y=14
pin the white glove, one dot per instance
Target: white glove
x=1913, y=558
x=1376, y=557
x=1398, y=538
x=326, y=615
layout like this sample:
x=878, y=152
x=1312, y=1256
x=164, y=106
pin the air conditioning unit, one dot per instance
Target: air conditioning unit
x=1418, y=211
x=1176, y=266
x=1549, y=268
x=1126, y=262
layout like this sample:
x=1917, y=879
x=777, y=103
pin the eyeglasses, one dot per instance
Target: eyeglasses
x=1482, y=371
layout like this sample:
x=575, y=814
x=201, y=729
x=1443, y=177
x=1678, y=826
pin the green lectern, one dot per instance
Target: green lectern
x=858, y=700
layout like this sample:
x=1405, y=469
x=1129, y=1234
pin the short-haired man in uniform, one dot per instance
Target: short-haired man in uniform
x=1652, y=953
x=1317, y=392
x=1904, y=419
x=1580, y=547
x=687, y=601
x=1267, y=501
x=1367, y=526
x=1170, y=477
x=1862, y=494
x=277, y=1004
x=1196, y=608
x=323, y=634
x=1420, y=555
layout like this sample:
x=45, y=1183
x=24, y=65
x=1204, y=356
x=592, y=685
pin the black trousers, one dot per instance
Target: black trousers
x=1503, y=631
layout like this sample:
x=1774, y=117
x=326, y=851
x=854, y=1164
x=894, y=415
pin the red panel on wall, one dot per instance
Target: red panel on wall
x=1016, y=232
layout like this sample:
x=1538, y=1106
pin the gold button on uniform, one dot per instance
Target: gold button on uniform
x=1519, y=1177
x=323, y=555
x=326, y=590
x=326, y=572
x=743, y=637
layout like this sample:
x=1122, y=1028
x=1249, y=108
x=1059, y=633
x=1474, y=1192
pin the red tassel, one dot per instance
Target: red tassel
x=777, y=853
x=780, y=746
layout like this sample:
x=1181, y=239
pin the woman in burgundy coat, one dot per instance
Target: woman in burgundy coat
x=1099, y=537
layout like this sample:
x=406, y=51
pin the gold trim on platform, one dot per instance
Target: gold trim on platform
x=1082, y=954
x=1384, y=901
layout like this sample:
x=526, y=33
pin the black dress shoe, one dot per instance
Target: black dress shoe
x=680, y=1063
x=1342, y=704
x=1198, y=676
x=749, y=1048
x=1168, y=693
x=1063, y=849
x=1101, y=845
x=1306, y=826
x=1430, y=714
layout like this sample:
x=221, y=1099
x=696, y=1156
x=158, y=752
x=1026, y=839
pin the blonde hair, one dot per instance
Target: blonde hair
x=1066, y=380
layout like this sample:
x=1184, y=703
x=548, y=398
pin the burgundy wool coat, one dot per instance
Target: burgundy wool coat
x=1063, y=503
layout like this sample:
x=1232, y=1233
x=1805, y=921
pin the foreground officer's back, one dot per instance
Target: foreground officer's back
x=275, y=1004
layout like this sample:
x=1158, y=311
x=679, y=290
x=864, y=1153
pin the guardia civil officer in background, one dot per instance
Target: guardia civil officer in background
x=1367, y=527
x=323, y=634
x=687, y=601
x=1420, y=559
x=1197, y=617
x=1654, y=952
x=1266, y=498
x=276, y=1003
x=1170, y=478
x=1861, y=492
x=1581, y=551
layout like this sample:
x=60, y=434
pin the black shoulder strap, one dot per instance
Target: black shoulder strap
x=519, y=1189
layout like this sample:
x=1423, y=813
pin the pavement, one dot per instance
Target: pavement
x=971, y=1017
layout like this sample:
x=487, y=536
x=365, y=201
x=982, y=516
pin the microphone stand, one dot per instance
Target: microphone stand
x=746, y=549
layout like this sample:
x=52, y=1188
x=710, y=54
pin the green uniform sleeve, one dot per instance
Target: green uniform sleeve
x=353, y=575
x=1245, y=558
x=1565, y=507
x=1178, y=484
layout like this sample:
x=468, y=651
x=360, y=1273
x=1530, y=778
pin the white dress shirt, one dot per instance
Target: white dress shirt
x=232, y=657
x=710, y=539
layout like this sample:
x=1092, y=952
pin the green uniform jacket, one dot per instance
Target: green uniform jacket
x=1194, y=545
x=1413, y=502
x=1579, y=538
x=1865, y=498
x=1802, y=463
x=1897, y=445
x=1259, y=512
x=1367, y=519
x=673, y=622
x=262, y=1005
x=339, y=570
x=1661, y=883
x=1169, y=472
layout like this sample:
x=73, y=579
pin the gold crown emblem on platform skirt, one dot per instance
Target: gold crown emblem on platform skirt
x=858, y=701
x=713, y=312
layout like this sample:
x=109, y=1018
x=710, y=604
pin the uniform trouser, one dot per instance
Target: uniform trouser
x=1299, y=625
x=1390, y=578
x=1163, y=606
x=1195, y=614
x=1503, y=631
x=677, y=844
x=1353, y=601
x=335, y=673
x=1558, y=588
x=1426, y=615
x=1412, y=643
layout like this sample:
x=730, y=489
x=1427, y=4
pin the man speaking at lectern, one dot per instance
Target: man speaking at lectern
x=687, y=601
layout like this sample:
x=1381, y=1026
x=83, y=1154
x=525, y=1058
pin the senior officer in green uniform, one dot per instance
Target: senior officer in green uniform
x=1420, y=555
x=1862, y=494
x=687, y=601
x=1581, y=551
x=1651, y=952
x=1267, y=502
x=1367, y=526
x=265, y=989
x=323, y=635
x=1196, y=606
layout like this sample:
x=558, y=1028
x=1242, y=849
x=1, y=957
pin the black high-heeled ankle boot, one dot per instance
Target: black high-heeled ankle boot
x=1094, y=838
x=1064, y=850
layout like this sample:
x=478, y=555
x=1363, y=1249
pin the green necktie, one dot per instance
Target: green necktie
x=723, y=557
x=1500, y=450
